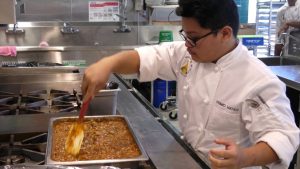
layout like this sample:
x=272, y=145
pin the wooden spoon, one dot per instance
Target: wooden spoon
x=76, y=133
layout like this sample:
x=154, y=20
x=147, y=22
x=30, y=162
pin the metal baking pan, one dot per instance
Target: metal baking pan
x=132, y=163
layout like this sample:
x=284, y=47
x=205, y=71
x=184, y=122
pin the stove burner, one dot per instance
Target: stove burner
x=17, y=155
x=29, y=151
x=8, y=110
x=38, y=102
x=12, y=159
x=22, y=101
x=48, y=94
x=7, y=99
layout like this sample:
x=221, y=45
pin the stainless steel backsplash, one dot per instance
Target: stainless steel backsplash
x=90, y=34
x=60, y=10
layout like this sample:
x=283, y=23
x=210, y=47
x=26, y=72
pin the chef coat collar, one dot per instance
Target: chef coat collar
x=227, y=59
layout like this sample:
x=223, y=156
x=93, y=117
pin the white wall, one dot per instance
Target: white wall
x=252, y=11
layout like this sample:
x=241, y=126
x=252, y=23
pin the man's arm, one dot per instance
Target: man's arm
x=96, y=75
x=279, y=20
x=260, y=154
x=234, y=157
x=285, y=27
x=295, y=24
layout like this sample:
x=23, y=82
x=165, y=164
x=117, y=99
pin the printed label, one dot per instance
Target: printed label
x=103, y=11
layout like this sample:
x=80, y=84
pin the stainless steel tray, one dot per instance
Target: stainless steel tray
x=128, y=163
x=104, y=102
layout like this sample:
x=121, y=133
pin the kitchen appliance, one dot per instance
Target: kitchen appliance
x=29, y=106
x=33, y=92
x=132, y=163
x=27, y=149
x=29, y=100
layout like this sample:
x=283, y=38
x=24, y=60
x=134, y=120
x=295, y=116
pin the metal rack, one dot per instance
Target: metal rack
x=266, y=24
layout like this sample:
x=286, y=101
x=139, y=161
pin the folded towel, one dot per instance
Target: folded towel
x=8, y=51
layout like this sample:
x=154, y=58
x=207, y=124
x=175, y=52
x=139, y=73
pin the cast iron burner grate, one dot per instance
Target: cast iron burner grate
x=13, y=159
x=38, y=102
x=29, y=151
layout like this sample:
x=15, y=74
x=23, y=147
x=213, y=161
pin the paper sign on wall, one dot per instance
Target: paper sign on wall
x=103, y=11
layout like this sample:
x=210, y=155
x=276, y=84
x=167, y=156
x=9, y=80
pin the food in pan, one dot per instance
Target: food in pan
x=105, y=138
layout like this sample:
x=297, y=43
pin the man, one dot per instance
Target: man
x=288, y=18
x=232, y=108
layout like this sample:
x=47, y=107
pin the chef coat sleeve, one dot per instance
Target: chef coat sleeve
x=273, y=121
x=157, y=61
x=279, y=21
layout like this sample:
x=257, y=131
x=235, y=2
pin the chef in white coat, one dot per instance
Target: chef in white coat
x=232, y=109
x=288, y=19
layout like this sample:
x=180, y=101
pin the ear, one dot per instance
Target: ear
x=226, y=33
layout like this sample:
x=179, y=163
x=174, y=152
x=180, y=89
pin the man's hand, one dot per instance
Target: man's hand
x=230, y=158
x=96, y=75
x=95, y=78
x=283, y=29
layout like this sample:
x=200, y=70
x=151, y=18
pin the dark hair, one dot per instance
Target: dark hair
x=211, y=14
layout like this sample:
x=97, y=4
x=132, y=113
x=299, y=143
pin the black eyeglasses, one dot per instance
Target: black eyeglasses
x=193, y=41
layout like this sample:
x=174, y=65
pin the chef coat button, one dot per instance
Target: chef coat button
x=199, y=129
x=182, y=137
x=205, y=101
x=217, y=68
x=185, y=116
x=185, y=87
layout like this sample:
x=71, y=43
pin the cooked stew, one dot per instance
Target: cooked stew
x=104, y=138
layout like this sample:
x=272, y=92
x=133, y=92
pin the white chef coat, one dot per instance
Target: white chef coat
x=237, y=98
x=287, y=13
x=280, y=19
x=293, y=13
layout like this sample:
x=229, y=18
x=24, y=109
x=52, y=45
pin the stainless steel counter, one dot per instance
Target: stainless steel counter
x=290, y=75
x=163, y=150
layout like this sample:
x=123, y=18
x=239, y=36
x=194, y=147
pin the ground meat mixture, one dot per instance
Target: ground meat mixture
x=104, y=138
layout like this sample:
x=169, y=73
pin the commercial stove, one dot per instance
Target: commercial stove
x=27, y=107
x=28, y=101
